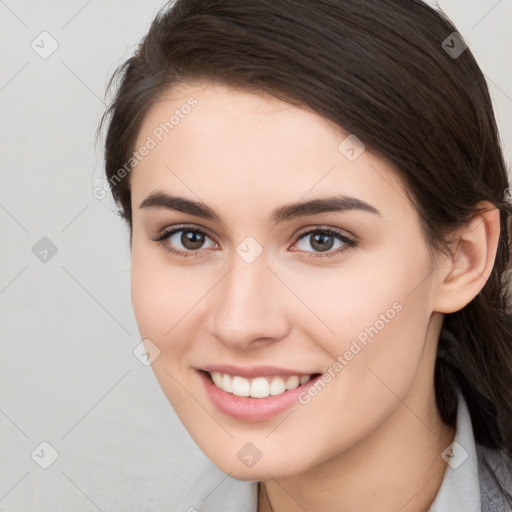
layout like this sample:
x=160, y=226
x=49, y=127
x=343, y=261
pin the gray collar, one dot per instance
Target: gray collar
x=460, y=488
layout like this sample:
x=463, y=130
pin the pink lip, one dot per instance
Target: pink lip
x=254, y=371
x=250, y=409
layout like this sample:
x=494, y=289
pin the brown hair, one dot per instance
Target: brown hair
x=379, y=70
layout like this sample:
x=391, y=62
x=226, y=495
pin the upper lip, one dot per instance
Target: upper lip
x=253, y=371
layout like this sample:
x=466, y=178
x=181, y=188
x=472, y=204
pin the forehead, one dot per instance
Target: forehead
x=218, y=115
x=216, y=142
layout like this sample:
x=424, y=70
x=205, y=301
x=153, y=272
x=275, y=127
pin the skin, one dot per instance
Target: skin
x=372, y=439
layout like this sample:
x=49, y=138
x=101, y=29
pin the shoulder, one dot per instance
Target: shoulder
x=495, y=475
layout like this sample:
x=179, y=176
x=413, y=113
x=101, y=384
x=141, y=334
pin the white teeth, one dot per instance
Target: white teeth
x=277, y=386
x=227, y=383
x=292, y=383
x=304, y=379
x=217, y=379
x=259, y=387
x=241, y=386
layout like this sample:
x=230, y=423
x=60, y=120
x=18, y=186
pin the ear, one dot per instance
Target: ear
x=465, y=273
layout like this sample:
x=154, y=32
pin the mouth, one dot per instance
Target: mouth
x=257, y=393
x=258, y=387
x=250, y=399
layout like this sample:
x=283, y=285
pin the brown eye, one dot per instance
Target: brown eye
x=185, y=241
x=322, y=240
x=192, y=240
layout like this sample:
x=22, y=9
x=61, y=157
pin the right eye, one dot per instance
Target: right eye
x=184, y=241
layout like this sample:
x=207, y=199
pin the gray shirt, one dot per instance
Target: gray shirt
x=466, y=487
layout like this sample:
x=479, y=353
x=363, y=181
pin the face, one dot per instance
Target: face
x=236, y=279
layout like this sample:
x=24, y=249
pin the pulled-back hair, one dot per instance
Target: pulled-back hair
x=379, y=70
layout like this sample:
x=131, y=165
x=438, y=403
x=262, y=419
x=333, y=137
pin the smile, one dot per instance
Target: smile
x=262, y=394
x=259, y=387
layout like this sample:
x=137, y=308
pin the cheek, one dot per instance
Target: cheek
x=160, y=298
x=157, y=293
x=344, y=302
x=371, y=317
x=169, y=303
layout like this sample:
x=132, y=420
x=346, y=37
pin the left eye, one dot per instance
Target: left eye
x=323, y=240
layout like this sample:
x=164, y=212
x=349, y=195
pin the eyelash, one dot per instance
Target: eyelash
x=349, y=243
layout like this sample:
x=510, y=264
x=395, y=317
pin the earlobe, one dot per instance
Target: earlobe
x=472, y=260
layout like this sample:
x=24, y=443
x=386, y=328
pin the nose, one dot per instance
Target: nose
x=250, y=306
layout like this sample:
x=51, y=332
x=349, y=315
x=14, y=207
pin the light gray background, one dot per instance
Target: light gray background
x=68, y=375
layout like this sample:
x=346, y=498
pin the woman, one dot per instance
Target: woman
x=319, y=220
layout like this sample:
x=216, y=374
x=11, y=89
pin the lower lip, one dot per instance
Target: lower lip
x=247, y=408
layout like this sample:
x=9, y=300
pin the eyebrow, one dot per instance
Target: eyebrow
x=335, y=203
